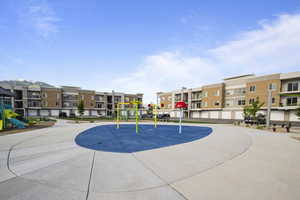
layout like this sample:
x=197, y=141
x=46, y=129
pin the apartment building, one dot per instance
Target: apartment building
x=51, y=101
x=226, y=100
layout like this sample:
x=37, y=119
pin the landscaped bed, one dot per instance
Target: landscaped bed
x=37, y=125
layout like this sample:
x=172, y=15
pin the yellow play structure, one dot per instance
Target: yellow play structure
x=136, y=109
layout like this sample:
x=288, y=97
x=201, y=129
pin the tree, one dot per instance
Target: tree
x=80, y=108
x=251, y=111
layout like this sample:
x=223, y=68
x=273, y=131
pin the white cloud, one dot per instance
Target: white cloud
x=166, y=71
x=274, y=47
x=41, y=17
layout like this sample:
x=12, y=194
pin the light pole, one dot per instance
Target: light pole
x=269, y=107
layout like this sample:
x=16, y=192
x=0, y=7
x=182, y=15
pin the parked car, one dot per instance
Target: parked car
x=147, y=116
x=62, y=115
x=163, y=116
x=260, y=119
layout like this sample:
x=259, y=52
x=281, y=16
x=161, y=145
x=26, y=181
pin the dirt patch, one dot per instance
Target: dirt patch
x=39, y=125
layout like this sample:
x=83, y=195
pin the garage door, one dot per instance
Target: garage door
x=204, y=114
x=54, y=112
x=214, y=114
x=195, y=114
x=32, y=112
x=294, y=117
x=277, y=115
x=44, y=113
x=226, y=115
x=238, y=115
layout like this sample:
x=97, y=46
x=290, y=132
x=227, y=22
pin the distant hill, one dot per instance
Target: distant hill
x=26, y=83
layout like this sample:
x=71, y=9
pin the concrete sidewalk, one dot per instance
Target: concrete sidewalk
x=231, y=163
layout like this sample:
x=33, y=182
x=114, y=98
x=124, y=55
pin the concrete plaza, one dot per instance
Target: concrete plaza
x=230, y=163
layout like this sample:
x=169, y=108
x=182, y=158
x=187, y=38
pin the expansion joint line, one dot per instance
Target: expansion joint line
x=90, y=178
x=153, y=172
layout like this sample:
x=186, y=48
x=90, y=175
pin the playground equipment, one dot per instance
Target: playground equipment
x=155, y=112
x=8, y=116
x=181, y=105
x=136, y=103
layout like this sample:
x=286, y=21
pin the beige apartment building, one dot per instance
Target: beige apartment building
x=226, y=100
x=39, y=101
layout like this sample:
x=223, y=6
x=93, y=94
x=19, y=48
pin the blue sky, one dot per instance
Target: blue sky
x=146, y=46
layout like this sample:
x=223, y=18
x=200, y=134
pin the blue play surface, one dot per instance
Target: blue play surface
x=125, y=140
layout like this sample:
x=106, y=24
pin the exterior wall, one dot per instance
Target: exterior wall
x=88, y=98
x=165, y=99
x=212, y=94
x=261, y=91
x=51, y=98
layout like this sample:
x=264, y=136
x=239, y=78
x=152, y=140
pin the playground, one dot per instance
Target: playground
x=7, y=116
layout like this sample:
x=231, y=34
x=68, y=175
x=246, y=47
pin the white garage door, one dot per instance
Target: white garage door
x=226, y=115
x=44, y=113
x=86, y=113
x=214, y=114
x=94, y=113
x=294, y=117
x=32, y=112
x=238, y=115
x=204, y=114
x=277, y=115
x=195, y=114
x=54, y=112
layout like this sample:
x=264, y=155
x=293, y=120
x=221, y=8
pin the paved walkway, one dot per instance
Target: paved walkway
x=231, y=163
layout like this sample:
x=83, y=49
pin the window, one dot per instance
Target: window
x=229, y=92
x=293, y=86
x=273, y=100
x=217, y=93
x=251, y=101
x=82, y=97
x=163, y=98
x=272, y=86
x=45, y=95
x=57, y=95
x=217, y=103
x=93, y=97
x=204, y=104
x=252, y=88
x=229, y=102
x=241, y=102
x=291, y=101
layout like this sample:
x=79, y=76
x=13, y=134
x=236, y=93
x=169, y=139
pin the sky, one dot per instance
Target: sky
x=146, y=46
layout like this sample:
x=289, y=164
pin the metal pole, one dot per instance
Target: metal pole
x=155, y=117
x=180, y=120
x=118, y=114
x=136, y=118
x=269, y=107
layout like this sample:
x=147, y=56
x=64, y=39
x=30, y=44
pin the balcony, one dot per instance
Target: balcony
x=34, y=104
x=70, y=97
